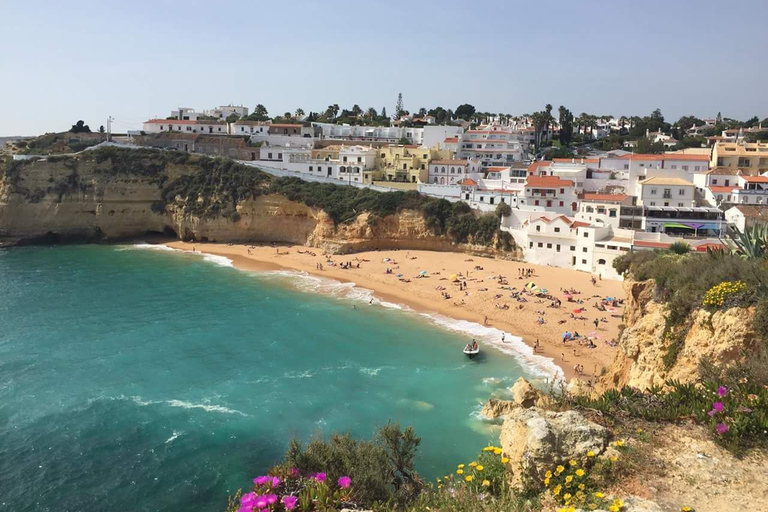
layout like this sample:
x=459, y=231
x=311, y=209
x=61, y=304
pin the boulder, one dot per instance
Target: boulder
x=577, y=387
x=524, y=394
x=536, y=441
x=495, y=408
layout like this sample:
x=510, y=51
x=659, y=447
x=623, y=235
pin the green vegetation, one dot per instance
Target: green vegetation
x=56, y=143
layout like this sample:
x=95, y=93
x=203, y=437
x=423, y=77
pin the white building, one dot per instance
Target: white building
x=185, y=126
x=427, y=135
x=744, y=217
x=185, y=114
x=451, y=172
x=493, y=148
x=225, y=111
x=249, y=128
x=605, y=208
x=552, y=193
x=661, y=191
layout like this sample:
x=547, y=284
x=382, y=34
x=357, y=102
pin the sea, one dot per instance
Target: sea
x=140, y=378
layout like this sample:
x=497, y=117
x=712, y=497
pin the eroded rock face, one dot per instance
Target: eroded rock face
x=495, y=408
x=536, y=440
x=524, y=393
x=721, y=337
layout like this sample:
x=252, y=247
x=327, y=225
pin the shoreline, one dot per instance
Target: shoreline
x=476, y=305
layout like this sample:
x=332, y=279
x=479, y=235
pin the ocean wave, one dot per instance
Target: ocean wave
x=178, y=403
x=211, y=258
x=173, y=437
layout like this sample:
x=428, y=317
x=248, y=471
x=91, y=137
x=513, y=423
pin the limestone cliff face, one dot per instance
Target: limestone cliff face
x=65, y=200
x=722, y=337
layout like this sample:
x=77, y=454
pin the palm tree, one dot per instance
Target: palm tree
x=299, y=112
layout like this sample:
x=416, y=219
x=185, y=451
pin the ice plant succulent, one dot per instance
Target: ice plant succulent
x=344, y=482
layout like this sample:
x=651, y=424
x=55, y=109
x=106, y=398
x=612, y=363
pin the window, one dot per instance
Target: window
x=531, y=245
x=359, y=159
x=601, y=261
x=714, y=182
x=583, y=249
x=538, y=229
x=681, y=192
x=540, y=244
x=562, y=191
x=612, y=213
x=442, y=170
x=536, y=202
x=557, y=230
x=673, y=167
x=727, y=182
x=626, y=166
x=744, y=162
x=557, y=248
x=345, y=159
x=561, y=203
x=653, y=203
x=310, y=168
x=667, y=193
x=612, y=247
x=269, y=156
x=383, y=155
x=680, y=205
x=685, y=167
x=586, y=234
x=573, y=247
x=653, y=191
x=583, y=262
x=549, y=246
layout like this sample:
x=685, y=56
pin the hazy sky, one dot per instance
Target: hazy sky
x=63, y=61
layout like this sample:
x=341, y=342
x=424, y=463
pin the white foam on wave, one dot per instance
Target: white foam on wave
x=211, y=258
x=173, y=437
x=180, y=403
x=513, y=345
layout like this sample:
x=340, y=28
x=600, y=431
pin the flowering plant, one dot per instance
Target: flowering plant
x=288, y=490
x=486, y=475
x=736, y=412
x=573, y=485
x=724, y=294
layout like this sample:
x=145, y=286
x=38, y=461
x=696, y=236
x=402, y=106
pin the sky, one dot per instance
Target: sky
x=64, y=61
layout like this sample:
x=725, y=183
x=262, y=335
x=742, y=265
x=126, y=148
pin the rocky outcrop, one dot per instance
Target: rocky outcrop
x=536, y=440
x=525, y=394
x=721, y=337
x=495, y=408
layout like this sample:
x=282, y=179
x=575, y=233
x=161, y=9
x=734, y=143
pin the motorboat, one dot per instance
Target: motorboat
x=471, y=352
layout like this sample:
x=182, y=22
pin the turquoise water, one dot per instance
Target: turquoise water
x=138, y=379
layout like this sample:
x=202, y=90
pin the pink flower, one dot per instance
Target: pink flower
x=261, y=502
x=722, y=391
x=345, y=482
x=248, y=499
x=289, y=502
x=245, y=508
x=271, y=498
x=721, y=428
x=294, y=472
x=718, y=407
x=261, y=480
x=320, y=477
x=274, y=482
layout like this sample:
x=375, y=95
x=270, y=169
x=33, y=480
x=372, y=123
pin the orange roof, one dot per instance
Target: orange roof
x=547, y=182
x=607, y=198
x=451, y=139
x=578, y=160
x=541, y=163
x=755, y=179
x=497, y=168
x=468, y=182
x=448, y=162
x=675, y=156
x=659, y=245
x=720, y=189
x=579, y=224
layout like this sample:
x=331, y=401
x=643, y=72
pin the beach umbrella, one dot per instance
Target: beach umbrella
x=423, y=273
x=543, y=290
x=531, y=285
x=454, y=277
x=577, y=310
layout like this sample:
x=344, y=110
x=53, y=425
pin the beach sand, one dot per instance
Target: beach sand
x=478, y=303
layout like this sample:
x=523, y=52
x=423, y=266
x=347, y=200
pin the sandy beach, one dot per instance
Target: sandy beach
x=482, y=297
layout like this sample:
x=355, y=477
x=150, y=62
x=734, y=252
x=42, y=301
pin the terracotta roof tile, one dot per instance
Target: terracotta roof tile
x=548, y=182
x=605, y=198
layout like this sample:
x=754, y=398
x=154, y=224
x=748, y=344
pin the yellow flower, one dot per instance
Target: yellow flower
x=619, y=443
x=582, y=487
x=686, y=509
x=486, y=483
x=546, y=482
x=590, y=453
x=566, y=496
x=559, y=469
x=568, y=479
x=461, y=466
x=618, y=502
x=579, y=472
x=469, y=478
x=599, y=495
x=504, y=460
x=472, y=464
x=592, y=506
x=459, y=471
x=614, y=458
x=572, y=462
x=497, y=451
x=613, y=508
x=479, y=467
x=548, y=474
x=639, y=431
x=557, y=489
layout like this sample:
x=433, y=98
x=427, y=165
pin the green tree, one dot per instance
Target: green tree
x=646, y=146
x=566, y=126
x=399, y=106
x=465, y=111
x=231, y=118
x=101, y=129
x=259, y=113
x=356, y=110
x=80, y=127
x=299, y=113
x=503, y=210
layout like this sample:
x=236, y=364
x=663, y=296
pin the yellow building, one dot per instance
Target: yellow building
x=750, y=157
x=406, y=163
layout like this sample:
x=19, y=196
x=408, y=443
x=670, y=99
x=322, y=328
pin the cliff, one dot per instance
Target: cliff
x=112, y=196
x=723, y=338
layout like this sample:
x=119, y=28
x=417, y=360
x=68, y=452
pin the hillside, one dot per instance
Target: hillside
x=111, y=194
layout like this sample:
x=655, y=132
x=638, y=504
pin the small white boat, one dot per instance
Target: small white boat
x=471, y=352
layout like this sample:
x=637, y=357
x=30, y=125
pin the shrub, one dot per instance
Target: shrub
x=680, y=248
